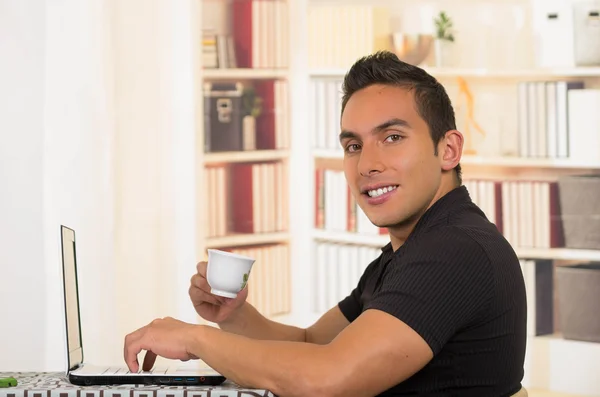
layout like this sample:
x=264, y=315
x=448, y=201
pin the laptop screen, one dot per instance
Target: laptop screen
x=71, y=296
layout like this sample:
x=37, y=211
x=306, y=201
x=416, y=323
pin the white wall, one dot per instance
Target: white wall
x=97, y=116
x=301, y=170
x=156, y=152
x=23, y=290
x=78, y=169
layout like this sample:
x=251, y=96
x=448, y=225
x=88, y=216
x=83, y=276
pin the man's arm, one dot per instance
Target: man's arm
x=374, y=353
x=247, y=321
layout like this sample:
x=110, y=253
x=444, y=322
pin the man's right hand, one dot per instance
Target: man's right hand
x=211, y=307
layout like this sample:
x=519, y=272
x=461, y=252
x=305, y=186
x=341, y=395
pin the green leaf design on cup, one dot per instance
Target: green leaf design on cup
x=245, y=280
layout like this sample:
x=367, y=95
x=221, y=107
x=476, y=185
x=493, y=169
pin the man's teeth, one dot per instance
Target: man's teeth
x=380, y=191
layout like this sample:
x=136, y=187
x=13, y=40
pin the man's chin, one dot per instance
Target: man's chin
x=382, y=223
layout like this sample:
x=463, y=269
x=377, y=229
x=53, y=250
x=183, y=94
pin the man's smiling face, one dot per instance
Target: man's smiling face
x=389, y=157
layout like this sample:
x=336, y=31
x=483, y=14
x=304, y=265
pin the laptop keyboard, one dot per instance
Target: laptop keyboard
x=126, y=371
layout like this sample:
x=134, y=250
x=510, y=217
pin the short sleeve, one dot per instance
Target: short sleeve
x=352, y=306
x=436, y=286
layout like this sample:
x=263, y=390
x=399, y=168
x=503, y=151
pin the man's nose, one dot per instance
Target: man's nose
x=370, y=161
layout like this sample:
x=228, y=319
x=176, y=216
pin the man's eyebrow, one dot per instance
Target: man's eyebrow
x=345, y=134
x=395, y=122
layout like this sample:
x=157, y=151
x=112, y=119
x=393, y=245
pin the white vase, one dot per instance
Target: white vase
x=249, y=132
x=443, y=53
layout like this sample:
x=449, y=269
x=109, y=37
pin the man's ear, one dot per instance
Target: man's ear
x=450, y=149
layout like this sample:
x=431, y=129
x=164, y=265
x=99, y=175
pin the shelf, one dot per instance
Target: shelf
x=238, y=240
x=515, y=73
x=328, y=154
x=567, y=254
x=332, y=72
x=513, y=162
x=483, y=72
x=245, y=156
x=215, y=74
x=560, y=365
x=530, y=253
x=518, y=162
x=351, y=238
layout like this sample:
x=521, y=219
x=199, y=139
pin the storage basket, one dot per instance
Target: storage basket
x=578, y=290
x=579, y=197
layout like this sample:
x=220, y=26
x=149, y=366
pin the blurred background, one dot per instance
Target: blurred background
x=159, y=129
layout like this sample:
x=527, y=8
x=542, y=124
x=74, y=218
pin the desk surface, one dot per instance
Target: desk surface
x=55, y=384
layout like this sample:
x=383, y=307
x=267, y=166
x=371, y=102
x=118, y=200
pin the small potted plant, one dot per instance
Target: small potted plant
x=444, y=37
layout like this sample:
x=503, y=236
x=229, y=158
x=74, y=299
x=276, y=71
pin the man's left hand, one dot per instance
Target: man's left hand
x=168, y=338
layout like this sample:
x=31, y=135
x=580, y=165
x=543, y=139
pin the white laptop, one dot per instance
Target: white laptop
x=80, y=373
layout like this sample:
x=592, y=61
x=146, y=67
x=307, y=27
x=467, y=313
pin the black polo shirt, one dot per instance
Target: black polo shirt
x=458, y=283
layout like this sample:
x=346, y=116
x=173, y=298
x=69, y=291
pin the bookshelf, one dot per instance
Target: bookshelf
x=296, y=141
x=244, y=142
x=505, y=158
x=245, y=156
x=245, y=73
x=441, y=72
x=245, y=239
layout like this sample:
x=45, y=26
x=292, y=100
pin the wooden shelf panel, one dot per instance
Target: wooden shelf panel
x=351, y=238
x=508, y=162
x=238, y=240
x=328, y=159
x=215, y=74
x=328, y=154
x=518, y=162
x=483, y=72
x=245, y=156
x=516, y=73
x=328, y=72
x=566, y=254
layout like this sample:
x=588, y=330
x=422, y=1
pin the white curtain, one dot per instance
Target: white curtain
x=118, y=164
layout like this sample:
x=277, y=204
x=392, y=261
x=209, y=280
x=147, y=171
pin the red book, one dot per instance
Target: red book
x=241, y=205
x=265, y=123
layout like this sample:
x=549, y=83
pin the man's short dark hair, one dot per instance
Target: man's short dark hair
x=432, y=101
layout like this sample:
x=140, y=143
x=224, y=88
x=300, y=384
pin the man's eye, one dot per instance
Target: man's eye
x=352, y=147
x=393, y=138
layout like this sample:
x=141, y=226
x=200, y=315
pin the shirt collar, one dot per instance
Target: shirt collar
x=438, y=213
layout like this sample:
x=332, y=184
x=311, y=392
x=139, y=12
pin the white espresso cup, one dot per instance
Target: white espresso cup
x=227, y=273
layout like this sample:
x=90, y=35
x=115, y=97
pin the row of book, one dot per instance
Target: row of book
x=240, y=116
x=335, y=206
x=339, y=34
x=218, y=50
x=269, y=284
x=542, y=114
x=337, y=268
x=527, y=212
x=558, y=119
x=245, y=34
x=246, y=198
x=554, y=119
x=326, y=94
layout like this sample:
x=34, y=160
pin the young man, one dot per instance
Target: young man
x=441, y=312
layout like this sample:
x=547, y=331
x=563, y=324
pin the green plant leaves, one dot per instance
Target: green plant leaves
x=443, y=25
